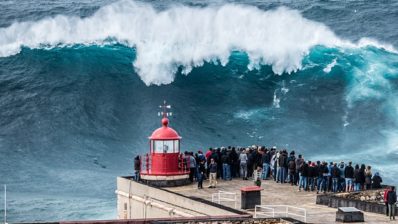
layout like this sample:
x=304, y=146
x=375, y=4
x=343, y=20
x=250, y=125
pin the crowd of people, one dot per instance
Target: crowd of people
x=261, y=163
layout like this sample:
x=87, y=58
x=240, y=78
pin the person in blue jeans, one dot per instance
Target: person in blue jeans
x=226, y=171
x=201, y=174
x=137, y=168
x=323, y=175
x=349, y=177
x=357, y=177
x=226, y=168
x=266, y=160
x=282, y=167
x=303, y=176
x=335, y=172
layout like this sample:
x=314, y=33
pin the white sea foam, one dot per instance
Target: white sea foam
x=182, y=36
x=329, y=67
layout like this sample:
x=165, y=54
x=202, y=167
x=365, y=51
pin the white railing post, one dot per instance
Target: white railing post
x=287, y=211
x=305, y=216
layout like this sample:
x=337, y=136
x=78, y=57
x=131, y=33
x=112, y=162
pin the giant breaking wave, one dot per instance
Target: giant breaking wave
x=183, y=37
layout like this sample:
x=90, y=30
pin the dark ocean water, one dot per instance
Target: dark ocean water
x=81, y=81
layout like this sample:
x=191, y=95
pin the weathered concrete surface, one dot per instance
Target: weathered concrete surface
x=277, y=194
x=136, y=200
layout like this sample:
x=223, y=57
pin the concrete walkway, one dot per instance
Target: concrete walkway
x=276, y=194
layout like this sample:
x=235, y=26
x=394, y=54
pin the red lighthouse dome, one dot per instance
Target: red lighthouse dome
x=164, y=132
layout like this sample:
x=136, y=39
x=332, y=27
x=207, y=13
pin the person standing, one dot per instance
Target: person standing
x=243, y=164
x=335, y=178
x=357, y=178
x=388, y=189
x=234, y=162
x=274, y=162
x=266, y=159
x=201, y=173
x=226, y=169
x=303, y=176
x=250, y=161
x=342, y=177
x=192, y=166
x=282, y=167
x=349, y=176
x=213, y=174
x=292, y=171
x=291, y=168
x=312, y=176
x=299, y=164
x=392, y=200
x=323, y=175
x=137, y=168
x=368, y=178
x=361, y=176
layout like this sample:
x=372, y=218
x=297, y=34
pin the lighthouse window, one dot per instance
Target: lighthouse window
x=163, y=146
x=176, y=145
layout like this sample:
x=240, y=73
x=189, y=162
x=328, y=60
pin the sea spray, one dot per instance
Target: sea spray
x=183, y=37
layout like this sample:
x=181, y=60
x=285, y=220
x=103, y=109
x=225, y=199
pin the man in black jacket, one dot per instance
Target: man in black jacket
x=282, y=161
x=299, y=164
x=323, y=174
x=335, y=172
x=226, y=169
x=303, y=170
x=349, y=177
x=292, y=171
x=392, y=200
x=137, y=168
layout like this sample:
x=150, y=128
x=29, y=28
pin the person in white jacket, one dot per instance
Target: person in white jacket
x=243, y=164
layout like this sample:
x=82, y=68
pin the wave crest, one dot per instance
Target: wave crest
x=182, y=37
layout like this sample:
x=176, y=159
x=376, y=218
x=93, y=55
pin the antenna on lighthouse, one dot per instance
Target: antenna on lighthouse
x=164, y=108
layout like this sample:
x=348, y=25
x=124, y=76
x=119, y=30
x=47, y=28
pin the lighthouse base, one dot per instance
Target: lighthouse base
x=165, y=181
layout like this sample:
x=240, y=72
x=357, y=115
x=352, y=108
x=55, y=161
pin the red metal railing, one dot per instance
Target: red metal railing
x=146, y=165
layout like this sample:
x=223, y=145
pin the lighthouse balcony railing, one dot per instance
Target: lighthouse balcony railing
x=147, y=166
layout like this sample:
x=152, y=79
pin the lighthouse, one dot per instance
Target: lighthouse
x=164, y=165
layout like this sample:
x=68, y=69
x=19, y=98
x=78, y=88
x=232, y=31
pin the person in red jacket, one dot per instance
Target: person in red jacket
x=385, y=198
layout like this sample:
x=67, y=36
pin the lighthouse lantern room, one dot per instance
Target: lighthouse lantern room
x=164, y=165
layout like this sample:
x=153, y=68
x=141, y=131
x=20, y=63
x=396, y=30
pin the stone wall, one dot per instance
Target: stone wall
x=137, y=200
x=335, y=202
